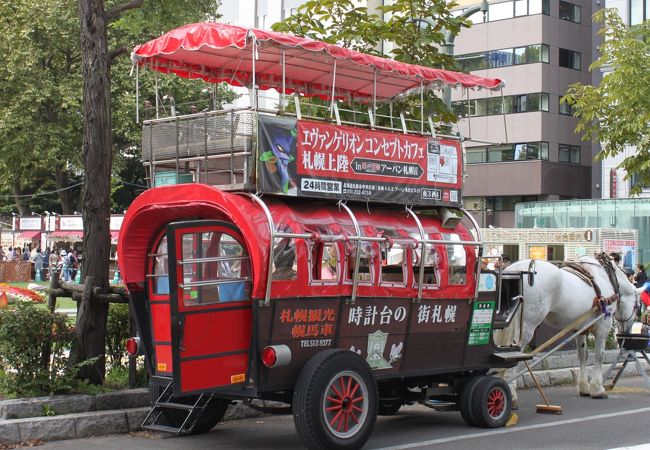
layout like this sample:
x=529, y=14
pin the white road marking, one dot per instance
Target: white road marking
x=633, y=447
x=515, y=429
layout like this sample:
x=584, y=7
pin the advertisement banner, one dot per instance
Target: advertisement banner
x=313, y=159
x=624, y=247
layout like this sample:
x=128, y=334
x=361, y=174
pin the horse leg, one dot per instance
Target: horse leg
x=583, y=381
x=596, y=388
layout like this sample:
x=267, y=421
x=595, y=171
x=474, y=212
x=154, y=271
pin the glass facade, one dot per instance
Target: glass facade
x=538, y=53
x=509, y=104
x=623, y=213
x=509, y=10
x=509, y=152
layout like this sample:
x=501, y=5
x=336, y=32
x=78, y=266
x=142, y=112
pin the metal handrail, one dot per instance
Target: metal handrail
x=213, y=282
x=211, y=259
x=357, y=260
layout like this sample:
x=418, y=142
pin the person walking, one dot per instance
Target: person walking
x=38, y=265
x=53, y=261
x=640, y=277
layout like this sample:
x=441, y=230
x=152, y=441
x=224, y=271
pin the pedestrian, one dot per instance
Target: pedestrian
x=38, y=264
x=64, y=262
x=640, y=276
x=53, y=261
x=26, y=256
x=2, y=254
x=74, y=264
x=10, y=254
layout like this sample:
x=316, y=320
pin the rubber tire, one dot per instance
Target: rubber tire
x=465, y=401
x=388, y=407
x=487, y=387
x=309, y=396
x=206, y=420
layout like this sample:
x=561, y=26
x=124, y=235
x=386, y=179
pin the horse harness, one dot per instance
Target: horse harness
x=580, y=270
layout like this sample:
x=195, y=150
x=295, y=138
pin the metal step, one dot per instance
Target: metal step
x=171, y=405
x=513, y=356
x=163, y=428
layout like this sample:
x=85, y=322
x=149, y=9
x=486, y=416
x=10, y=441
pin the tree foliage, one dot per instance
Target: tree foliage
x=41, y=92
x=617, y=112
x=405, y=30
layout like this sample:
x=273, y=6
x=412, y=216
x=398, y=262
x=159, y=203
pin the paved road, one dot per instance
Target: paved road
x=622, y=420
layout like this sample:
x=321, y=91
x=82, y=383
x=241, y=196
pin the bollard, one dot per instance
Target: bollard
x=37, y=277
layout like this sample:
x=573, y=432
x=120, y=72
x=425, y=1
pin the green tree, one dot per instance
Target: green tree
x=40, y=120
x=106, y=33
x=616, y=113
x=397, y=29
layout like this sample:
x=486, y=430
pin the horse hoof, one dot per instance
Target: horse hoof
x=585, y=394
x=603, y=395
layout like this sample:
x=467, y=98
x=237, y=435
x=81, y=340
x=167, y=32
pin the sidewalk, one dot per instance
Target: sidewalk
x=78, y=416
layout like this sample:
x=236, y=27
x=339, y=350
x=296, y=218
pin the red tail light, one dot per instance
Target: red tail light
x=133, y=345
x=276, y=356
x=269, y=357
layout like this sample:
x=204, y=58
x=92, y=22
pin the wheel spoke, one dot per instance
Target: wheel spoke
x=334, y=400
x=354, y=416
x=356, y=408
x=349, y=391
x=336, y=417
x=333, y=408
x=338, y=394
x=356, y=400
x=356, y=388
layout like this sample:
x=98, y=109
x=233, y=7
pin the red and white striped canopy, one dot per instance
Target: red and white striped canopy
x=217, y=52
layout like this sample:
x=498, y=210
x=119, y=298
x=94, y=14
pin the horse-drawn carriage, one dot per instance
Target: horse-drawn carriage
x=290, y=269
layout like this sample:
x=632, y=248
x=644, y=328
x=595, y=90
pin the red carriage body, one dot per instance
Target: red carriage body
x=353, y=307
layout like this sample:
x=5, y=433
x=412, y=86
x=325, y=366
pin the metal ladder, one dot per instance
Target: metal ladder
x=626, y=356
x=153, y=420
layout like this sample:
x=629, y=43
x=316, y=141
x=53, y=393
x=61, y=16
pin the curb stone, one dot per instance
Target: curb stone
x=83, y=416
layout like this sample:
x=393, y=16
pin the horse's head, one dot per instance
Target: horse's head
x=629, y=303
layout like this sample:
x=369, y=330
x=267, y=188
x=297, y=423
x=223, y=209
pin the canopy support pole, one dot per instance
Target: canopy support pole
x=284, y=82
x=333, y=89
x=421, y=107
x=253, y=90
x=503, y=113
x=469, y=116
x=137, y=93
x=374, y=92
x=157, y=101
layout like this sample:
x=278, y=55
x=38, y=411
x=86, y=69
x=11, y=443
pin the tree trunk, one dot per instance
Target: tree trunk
x=65, y=197
x=22, y=203
x=98, y=158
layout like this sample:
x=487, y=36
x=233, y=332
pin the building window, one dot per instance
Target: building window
x=504, y=57
x=565, y=108
x=523, y=151
x=569, y=59
x=639, y=11
x=569, y=11
x=508, y=10
x=507, y=105
x=569, y=153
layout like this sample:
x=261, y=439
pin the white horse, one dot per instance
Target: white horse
x=559, y=297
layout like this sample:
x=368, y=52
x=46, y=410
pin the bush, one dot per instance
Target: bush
x=117, y=331
x=27, y=335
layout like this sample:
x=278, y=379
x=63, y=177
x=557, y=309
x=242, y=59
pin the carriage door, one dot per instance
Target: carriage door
x=210, y=305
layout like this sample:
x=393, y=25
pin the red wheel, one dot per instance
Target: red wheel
x=335, y=401
x=491, y=403
x=346, y=404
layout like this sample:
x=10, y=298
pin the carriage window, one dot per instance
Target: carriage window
x=457, y=260
x=216, y=269
x=393, y=263
x=284, y=256
x=325, y=262
x=431, y=259
x=365, y=263
x=160, y=274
